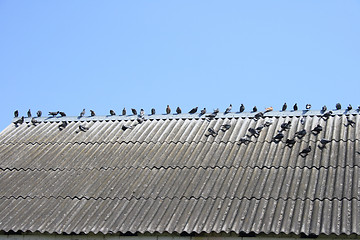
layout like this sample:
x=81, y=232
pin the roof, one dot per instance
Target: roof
x=169, y=174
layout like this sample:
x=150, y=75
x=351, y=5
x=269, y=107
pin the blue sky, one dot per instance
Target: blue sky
x=102, y=55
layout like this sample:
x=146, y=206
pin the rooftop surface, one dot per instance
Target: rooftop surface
x=169, y=173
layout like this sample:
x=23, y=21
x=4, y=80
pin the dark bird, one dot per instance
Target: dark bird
x=323, y=109
x=124, y=111
x=83, y=128
x=212, y=131
x=324, y=141
x=349, y=122
x=326, y=115
x=19, y=121
x=82, y=113
x=358, y=109
x=308, y=106
x=216, y=111
x=124, y=127
x=16, y=113
x=140, y=120
x=178, y=110
x=305, y=151
x=92, y=113
x=202, y=112
x=39, y=113
x=134, y=112
x=349, y=107
x=284, y=107
x=153, y=111
x=254, y=109
x=34, y=121
x=62, y=114
x=286, y=125
x=29, y=113
x=317, y=129
x=290, y=142
x=253, y=132
x=63, y=125
x=112, y=112
x=227, y=110
x=258, y=116
x=338, y=106
x=168, y=110
x=301, y=133
x=242, y=108
x=142, y=112
x=244, y=140
x=295, y=107
x=278, y=137
x=54, y=113
x=226, y=126
x=194, y=110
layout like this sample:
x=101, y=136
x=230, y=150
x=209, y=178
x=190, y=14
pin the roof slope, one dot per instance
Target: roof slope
x=168, y=175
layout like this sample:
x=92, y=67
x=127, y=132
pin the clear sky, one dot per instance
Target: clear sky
x=102, y=55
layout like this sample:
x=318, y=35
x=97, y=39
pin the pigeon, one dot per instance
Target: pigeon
x=212, y=131
x=258, y=115
x=82, y=113
x=168, y=110
x=253, y=132
x=54, y=113
x=34, y=121
x=317, y=129
x=290, y=142
x=124, y=111
x=305, y=151
x=112, y=112
x=124, y=127
x=338, y=106
x=308, y=106
x=323, y=109
x=39, y=113
x=178, y=110
x=301, y=133
x=278, y=137
x=285, y=125
x=244, y=140
x=324, y=141
x=19, y=121
x=153, y=111
x=349, y=107
x=349, y=122
x=16, y=113
x=202, y=112
x=216, y=111
x=227, y=110
x=254, y=109
x=242, y=108
x=29, y=113
x=295, y=107
x=194, y=110
x=269, y=109
x=142, y=112
x=284, y=107
x=134, y=112
x=92, y=113
x=62, y=114
x=226, y=126
x=83, y=128
x=326, y=115
x=140, y=120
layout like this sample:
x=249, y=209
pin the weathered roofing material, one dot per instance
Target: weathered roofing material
x=168, y=175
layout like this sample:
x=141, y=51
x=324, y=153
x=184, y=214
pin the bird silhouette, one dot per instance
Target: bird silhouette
x=62, y=114
x=134, y=112
x=308, y=106
x=82, y=113
x=168, y=110
x=258, y=116
x=284, y=107
x=254, y=109
x=142, y=112
x=323, y=109
x=212, y=131
x=253, y=132
x=153, y=111
x=305, y=151
x=295, y=107
x=242, y=108
x=29, y=113
x=16, y=113
x=112, y=112
x=124, y=112
x=194, y=110
x=202, y=112
x=92, y=113
x=178, y=110
x=286, y=125
x=349, y=108
x=54, y=113
x=216, y=111
x=338, y=106
x=39, y=113
x=227, y=110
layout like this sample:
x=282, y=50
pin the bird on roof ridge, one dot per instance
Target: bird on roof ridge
x=194, y=110
x=308, y=106
x=39, y=113
x=323, y=109
x=338, y=106
x=168, y=109
x=295, y=107
x=142, y=112
x=203, y=111
x=82, y=113
x=228, y=109
x=254, y=109
x=242, y=108
x=284, y=107
x=178, y=110
x=153, y=112
x=29, y=113
x=349, y=108
x=92, y=113
x=112, y=112
x=124, y=111
x=134, y=112
x=62, y=114
x=16, y=113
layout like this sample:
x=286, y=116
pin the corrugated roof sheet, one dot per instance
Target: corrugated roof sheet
x=168, y=175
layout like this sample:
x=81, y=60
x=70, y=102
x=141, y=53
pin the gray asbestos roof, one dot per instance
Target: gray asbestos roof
x=167, y=175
